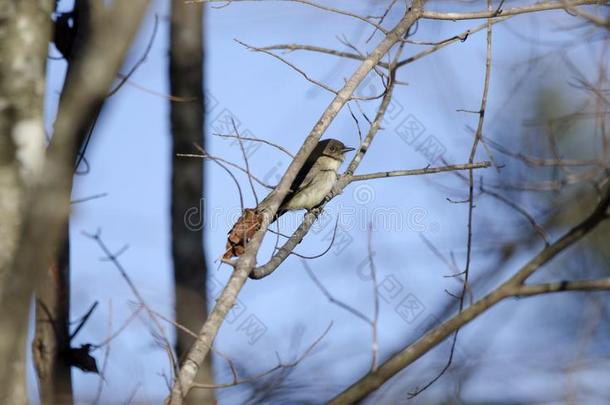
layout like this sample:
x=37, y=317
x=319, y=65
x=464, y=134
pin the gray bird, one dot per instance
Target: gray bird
x=315, y=179
x=313, y=182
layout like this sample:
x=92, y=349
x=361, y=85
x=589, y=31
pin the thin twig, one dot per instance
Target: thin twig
x=116, y=333
x=279, y=366
x=206, y=155
x=303, y=73
x=374, y=343
x=330, y=297
x=245, y=138
x=466, y=273
x=453, y=40
x=89, y=198
x=139, y=62
x=318, y=49
x=330, y=245
x=100, y=385
x=306, y=2
x=418, y=172
x=292, y=65
x=226, y=169
x=550, y=5
x=96, y=237
x=246, y=161
x=539, y=229
x=83, y=320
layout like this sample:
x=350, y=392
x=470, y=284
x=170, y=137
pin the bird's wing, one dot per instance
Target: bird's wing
x=304, y=176
x=302, y=180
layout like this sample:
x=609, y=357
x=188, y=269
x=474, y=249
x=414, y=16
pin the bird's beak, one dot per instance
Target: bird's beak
x=348, y=149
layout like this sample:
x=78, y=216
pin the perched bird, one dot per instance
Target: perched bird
x=313, y=182
x=315, y=179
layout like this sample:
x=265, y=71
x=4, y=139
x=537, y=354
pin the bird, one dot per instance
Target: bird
x=315, y=179
x=311, y=185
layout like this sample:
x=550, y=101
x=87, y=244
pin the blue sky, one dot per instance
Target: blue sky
x=129, y=160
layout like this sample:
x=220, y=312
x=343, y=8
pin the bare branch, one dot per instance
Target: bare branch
x=206, y=155
x=245, y=138
x=539, y=229
x=306, y=2
x=330, y=245
x=298, y=235
x=512, y=287
x=302, y=72
x=332, y=299
x=139, y=62
x=456, y=38
x=246, y=160
x=374, y=343
x=246, y=263
x=280, y=365
x=112, y=257
x=473, y=151
x=319, y=49
x=418, y=172
x=551, y=5
x=579, y=285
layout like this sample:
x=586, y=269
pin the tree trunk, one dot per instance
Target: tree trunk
x=24, y=36
x=52, y=337
x=187, y=123
x=52, y=340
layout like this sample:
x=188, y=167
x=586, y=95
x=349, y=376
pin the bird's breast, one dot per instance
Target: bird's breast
x=313, y=194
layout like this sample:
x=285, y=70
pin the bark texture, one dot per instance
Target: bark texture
x=52, y=338
x=45, y=200
x=51, y=343
x=25, y=29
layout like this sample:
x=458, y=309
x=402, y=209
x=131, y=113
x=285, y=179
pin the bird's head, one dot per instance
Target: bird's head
x=333, y=148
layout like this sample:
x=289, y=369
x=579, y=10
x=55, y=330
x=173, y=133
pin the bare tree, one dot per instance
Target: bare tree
x=22, y=81
x=41, y=204
x=51, y=346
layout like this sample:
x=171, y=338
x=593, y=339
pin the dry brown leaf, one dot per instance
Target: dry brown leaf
x=241, y=233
